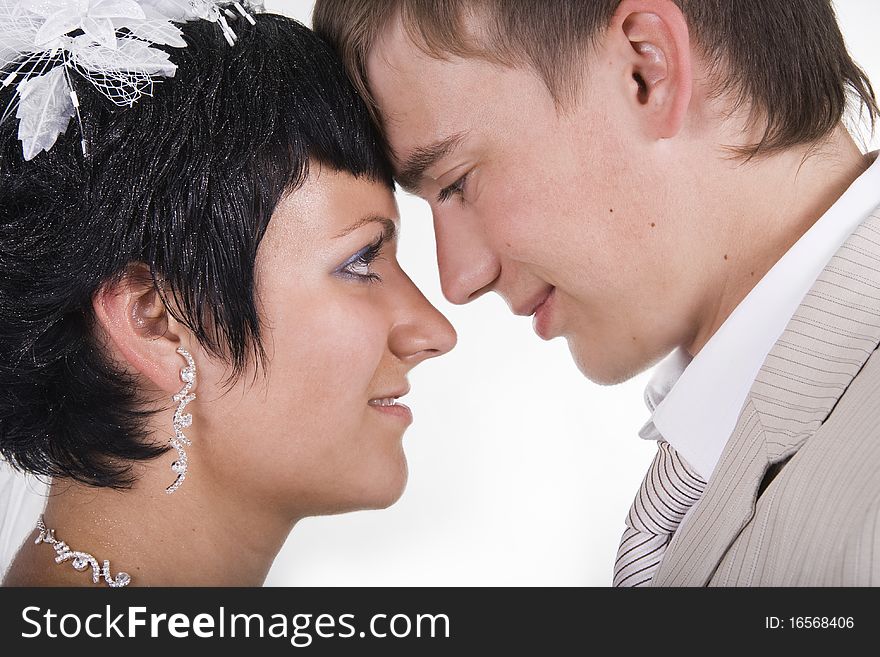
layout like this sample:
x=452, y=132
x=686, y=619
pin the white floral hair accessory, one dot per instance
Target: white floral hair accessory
x=112, y=50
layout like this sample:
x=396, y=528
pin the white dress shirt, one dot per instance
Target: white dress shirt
x=696, y=403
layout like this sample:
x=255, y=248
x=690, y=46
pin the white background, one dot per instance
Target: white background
x=521, y=471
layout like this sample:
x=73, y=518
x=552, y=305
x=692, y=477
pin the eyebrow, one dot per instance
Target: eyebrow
x=423, y=158
x=388, y=234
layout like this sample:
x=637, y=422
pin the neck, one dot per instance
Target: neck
x=200, y=535
x=759, y=210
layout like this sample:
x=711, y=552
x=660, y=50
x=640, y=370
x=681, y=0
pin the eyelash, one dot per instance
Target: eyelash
x=455, y=189
x=364, y=258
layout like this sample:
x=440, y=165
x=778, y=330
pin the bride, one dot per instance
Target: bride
x=204, y=328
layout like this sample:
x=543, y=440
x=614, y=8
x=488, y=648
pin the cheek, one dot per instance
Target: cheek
x=333, y=454
x=578, y=238
x=297, y=434
x=547, y=232
x=323, y=362
x=543, y=210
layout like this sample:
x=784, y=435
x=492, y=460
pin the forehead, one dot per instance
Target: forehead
x=414, y=89
x=423, y=98
x=327, y=203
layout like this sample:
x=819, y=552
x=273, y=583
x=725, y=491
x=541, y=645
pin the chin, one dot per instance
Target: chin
x=394, y=487
x=382, y=489
x=388, y=498
x=602, y=369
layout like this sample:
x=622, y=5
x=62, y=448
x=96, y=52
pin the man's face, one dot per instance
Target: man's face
x=561, y=211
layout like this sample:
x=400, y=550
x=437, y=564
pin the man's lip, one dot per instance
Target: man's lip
x=543, y=321
x=543, y=301
x=529, y=309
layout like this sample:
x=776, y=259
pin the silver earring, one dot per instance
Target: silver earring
x=182, y=420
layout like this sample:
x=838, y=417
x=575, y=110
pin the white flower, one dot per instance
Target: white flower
x=95, y=18
x=44, y=111
x=17, y=31
x=114, y=53
x=132, y=56
x=155, y=28
x=179, y=10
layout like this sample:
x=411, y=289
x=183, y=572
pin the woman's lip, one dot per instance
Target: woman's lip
x=541, y=322
x=398, y=410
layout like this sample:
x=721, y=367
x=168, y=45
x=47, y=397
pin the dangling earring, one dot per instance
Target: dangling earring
x=182, y=420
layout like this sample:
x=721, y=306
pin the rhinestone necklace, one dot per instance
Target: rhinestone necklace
x=81, y=560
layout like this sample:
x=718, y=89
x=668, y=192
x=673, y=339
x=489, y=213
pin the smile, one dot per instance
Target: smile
x=387, y=401
x=391, y=407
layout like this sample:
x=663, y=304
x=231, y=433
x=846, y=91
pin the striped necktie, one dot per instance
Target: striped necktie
x=670, y=488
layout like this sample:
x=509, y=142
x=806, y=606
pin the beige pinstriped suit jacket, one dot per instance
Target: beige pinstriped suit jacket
x=814, y=411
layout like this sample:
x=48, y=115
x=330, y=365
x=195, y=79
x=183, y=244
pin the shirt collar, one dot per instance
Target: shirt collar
x=696, y=403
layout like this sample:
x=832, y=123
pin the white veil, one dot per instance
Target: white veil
x=22, y=499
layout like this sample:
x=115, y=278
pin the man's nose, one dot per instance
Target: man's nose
x=468, y=266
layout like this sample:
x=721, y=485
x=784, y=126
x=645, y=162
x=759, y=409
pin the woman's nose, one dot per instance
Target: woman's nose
x=421, y=331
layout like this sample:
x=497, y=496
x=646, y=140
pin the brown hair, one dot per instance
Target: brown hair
x=785, y=61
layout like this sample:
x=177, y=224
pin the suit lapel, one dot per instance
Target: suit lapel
x=825, y=345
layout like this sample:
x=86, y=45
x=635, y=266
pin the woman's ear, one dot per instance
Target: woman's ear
x=144, y=334
x=658, y=70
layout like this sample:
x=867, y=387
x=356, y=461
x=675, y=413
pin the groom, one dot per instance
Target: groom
x=652, y=178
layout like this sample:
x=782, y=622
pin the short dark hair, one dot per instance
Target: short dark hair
x=184, y=182
x=785, y=61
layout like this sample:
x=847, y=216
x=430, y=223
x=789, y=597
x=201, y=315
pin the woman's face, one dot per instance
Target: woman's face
x=343, y=325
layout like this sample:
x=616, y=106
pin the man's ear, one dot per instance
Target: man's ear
x=131, y=313
x=659, y=62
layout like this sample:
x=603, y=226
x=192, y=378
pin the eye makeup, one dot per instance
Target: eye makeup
x=357, y=267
